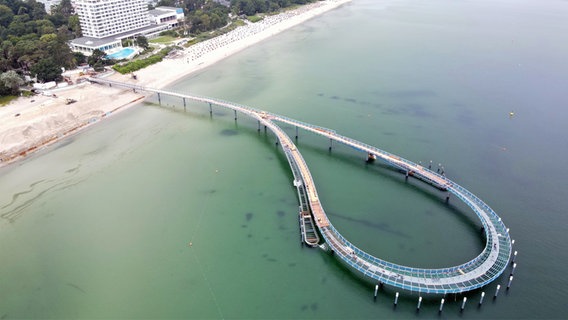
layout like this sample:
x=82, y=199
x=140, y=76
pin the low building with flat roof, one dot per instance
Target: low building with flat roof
x=87, y=45
x=166, y=15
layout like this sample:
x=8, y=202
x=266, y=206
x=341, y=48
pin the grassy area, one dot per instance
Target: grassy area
x=162, y=39
x=4, y=100
x=142, y=63
x=237, y=23
x=254, y=18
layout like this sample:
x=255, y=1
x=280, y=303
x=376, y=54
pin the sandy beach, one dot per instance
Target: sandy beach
x=29, y=124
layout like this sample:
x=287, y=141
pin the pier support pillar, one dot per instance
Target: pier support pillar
x=235, y=115
x=481, y=299
x=330, y=144
x=441, y=305
x=406, y=176
x=497, y=291
x=396, y=299
x=463, y=304
x=513, y=270
x=210, y=110
x=184, y=104
x=159, y=99
x=509, y=284
x=419, y=303
x=296, y=132
x=258, y=125
x=514, y=257
x=376, y=291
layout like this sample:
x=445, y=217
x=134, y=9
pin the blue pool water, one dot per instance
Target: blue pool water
x=122, y=54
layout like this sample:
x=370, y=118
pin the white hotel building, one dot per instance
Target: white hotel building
x=104, y=23
x=104, y=18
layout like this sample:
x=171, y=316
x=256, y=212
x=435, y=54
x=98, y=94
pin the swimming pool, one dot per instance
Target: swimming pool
x=124, y=53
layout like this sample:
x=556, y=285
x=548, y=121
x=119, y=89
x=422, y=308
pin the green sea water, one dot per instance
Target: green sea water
x=161, y=212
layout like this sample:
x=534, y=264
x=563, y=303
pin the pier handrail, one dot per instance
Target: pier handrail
x=479, y=271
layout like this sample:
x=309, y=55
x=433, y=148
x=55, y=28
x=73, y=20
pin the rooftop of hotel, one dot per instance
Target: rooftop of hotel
x=94, y=42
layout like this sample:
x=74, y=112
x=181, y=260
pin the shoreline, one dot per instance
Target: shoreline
x=207, y=53
x=32, y=124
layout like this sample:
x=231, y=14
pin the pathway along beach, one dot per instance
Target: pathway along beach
x=29, y=124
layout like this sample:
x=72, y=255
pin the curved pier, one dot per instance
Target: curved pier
x=478, y=272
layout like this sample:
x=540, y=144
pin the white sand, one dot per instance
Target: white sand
x=31, y=123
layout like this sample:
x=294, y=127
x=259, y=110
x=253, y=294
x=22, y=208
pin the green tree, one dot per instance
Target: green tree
x=260, y=5
x=47, y=38
x=99, y=66
x=61, y=14
x=46, y=70
x=96, y=56
x=167, y=3
x=80, y=58
x=6, y=50
x=11, y=81
x=205, y=22
x=58, y=20
x=59, y=50
x=19, y=28
x=64, y=8
x=74, y=25
x=127, y=42
x=250, y=7
x=245, y=7
x=216, y=20
x=44, y=27
x=142, y=42
x=36, y=10
x=23, y=11
x=193, y=5
x=26, y=53
x=6, y=15
x=210, y=16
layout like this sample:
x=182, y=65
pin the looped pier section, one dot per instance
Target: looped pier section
x=478, y=272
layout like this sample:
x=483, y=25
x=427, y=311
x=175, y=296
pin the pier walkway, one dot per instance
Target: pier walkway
x=478, y=272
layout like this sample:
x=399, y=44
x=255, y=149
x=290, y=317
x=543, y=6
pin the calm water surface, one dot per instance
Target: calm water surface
x=100, y=225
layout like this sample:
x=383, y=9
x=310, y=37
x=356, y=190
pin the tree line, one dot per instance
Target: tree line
x=34, y=42
x=252, y=7
x=202, y=15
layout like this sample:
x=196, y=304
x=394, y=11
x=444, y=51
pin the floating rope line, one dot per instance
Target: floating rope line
x=190, y=244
